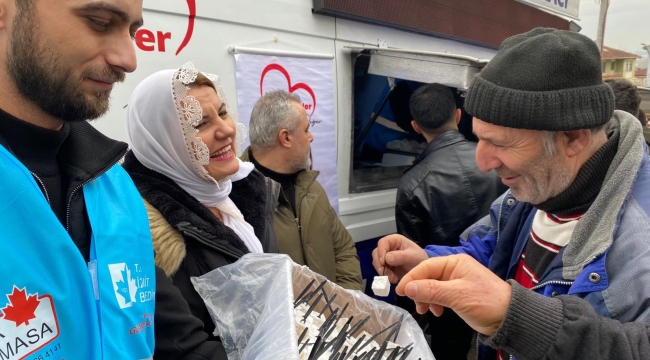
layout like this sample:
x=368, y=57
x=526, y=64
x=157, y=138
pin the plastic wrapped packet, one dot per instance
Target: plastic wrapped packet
x=252, y=305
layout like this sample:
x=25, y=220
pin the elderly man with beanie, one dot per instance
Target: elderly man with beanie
x=575, y=220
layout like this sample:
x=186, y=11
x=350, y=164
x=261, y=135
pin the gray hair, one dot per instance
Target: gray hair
x=548, y=143
x=548, y=139
x=272, y=113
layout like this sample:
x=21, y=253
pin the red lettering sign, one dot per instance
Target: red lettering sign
x=145, y=39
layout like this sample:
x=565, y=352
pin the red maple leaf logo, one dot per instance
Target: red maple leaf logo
x=21, y=307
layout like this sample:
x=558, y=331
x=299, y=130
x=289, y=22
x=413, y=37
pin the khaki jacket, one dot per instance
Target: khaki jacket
x=317, y=238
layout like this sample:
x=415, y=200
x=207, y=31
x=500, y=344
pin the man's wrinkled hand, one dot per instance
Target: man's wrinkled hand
x=460, y=283
x=396, y=255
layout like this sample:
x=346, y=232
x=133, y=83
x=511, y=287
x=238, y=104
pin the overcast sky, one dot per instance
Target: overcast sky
x=628, y=23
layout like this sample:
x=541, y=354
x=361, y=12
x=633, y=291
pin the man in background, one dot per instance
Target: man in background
x=306, y=226
x=628, y=99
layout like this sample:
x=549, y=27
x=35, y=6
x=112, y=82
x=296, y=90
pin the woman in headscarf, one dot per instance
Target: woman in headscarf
x=206, y=207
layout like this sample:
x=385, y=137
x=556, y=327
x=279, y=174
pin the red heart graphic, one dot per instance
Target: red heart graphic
x=292, y=88
x=191, y=4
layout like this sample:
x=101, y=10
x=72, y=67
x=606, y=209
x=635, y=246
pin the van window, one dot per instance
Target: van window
x=384, y=148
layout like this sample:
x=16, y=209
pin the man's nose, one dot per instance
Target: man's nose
x=121, y=55
x=485, y=158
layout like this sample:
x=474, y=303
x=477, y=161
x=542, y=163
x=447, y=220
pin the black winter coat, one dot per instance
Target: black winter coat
x=208, y=243
x=444, y=192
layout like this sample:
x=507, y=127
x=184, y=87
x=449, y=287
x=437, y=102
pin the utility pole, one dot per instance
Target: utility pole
x=647, y=75
x=600, y=39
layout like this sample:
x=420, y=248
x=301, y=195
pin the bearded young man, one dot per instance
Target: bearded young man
x=306, y=226
x=575, y=220
x=78, y=274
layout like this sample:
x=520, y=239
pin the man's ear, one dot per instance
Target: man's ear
x=285, y=137
x=576, y=141
x=416, y=127
x=7, y=8
x=458, y=116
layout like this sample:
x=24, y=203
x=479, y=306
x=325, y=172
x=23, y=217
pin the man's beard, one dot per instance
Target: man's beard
x=42, y=76
x=543, y=180
x=303, y=163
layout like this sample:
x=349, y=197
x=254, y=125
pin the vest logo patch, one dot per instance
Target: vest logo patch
x=123, y=285
x=130, y=285
x=28, y=322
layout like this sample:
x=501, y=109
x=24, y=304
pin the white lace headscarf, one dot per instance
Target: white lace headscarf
x=160, y=122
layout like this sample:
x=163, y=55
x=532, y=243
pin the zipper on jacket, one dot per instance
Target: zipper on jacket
x=552, y=282
x=500, y=212
x=67, y=213
x=299, y=207
x=47, y=197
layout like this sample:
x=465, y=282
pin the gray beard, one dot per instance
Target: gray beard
x=302, y=164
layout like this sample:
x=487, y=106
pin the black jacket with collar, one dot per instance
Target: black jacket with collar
x=186, y=223
x=444, y=192
x=85, y=155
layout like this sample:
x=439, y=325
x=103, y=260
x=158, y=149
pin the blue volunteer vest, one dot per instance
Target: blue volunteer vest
x=54, y=305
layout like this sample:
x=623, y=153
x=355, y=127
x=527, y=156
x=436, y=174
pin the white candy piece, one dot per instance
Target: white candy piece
x=381, y=286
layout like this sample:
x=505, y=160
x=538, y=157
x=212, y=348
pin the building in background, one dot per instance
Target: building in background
x=640, y=78
x=619, y=64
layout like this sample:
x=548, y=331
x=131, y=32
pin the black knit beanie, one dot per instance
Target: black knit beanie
x=545, y=79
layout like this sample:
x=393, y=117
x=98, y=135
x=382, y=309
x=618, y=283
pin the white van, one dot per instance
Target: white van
x=177, y=31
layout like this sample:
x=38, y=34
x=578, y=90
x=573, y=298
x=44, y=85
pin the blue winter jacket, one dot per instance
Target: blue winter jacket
x=607, y=261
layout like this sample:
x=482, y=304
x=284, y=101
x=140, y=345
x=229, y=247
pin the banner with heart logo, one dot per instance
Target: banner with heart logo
x=311, y=79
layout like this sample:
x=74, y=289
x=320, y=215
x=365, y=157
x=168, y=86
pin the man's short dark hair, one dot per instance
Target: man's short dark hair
x=432, y=106
x=626, y=95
